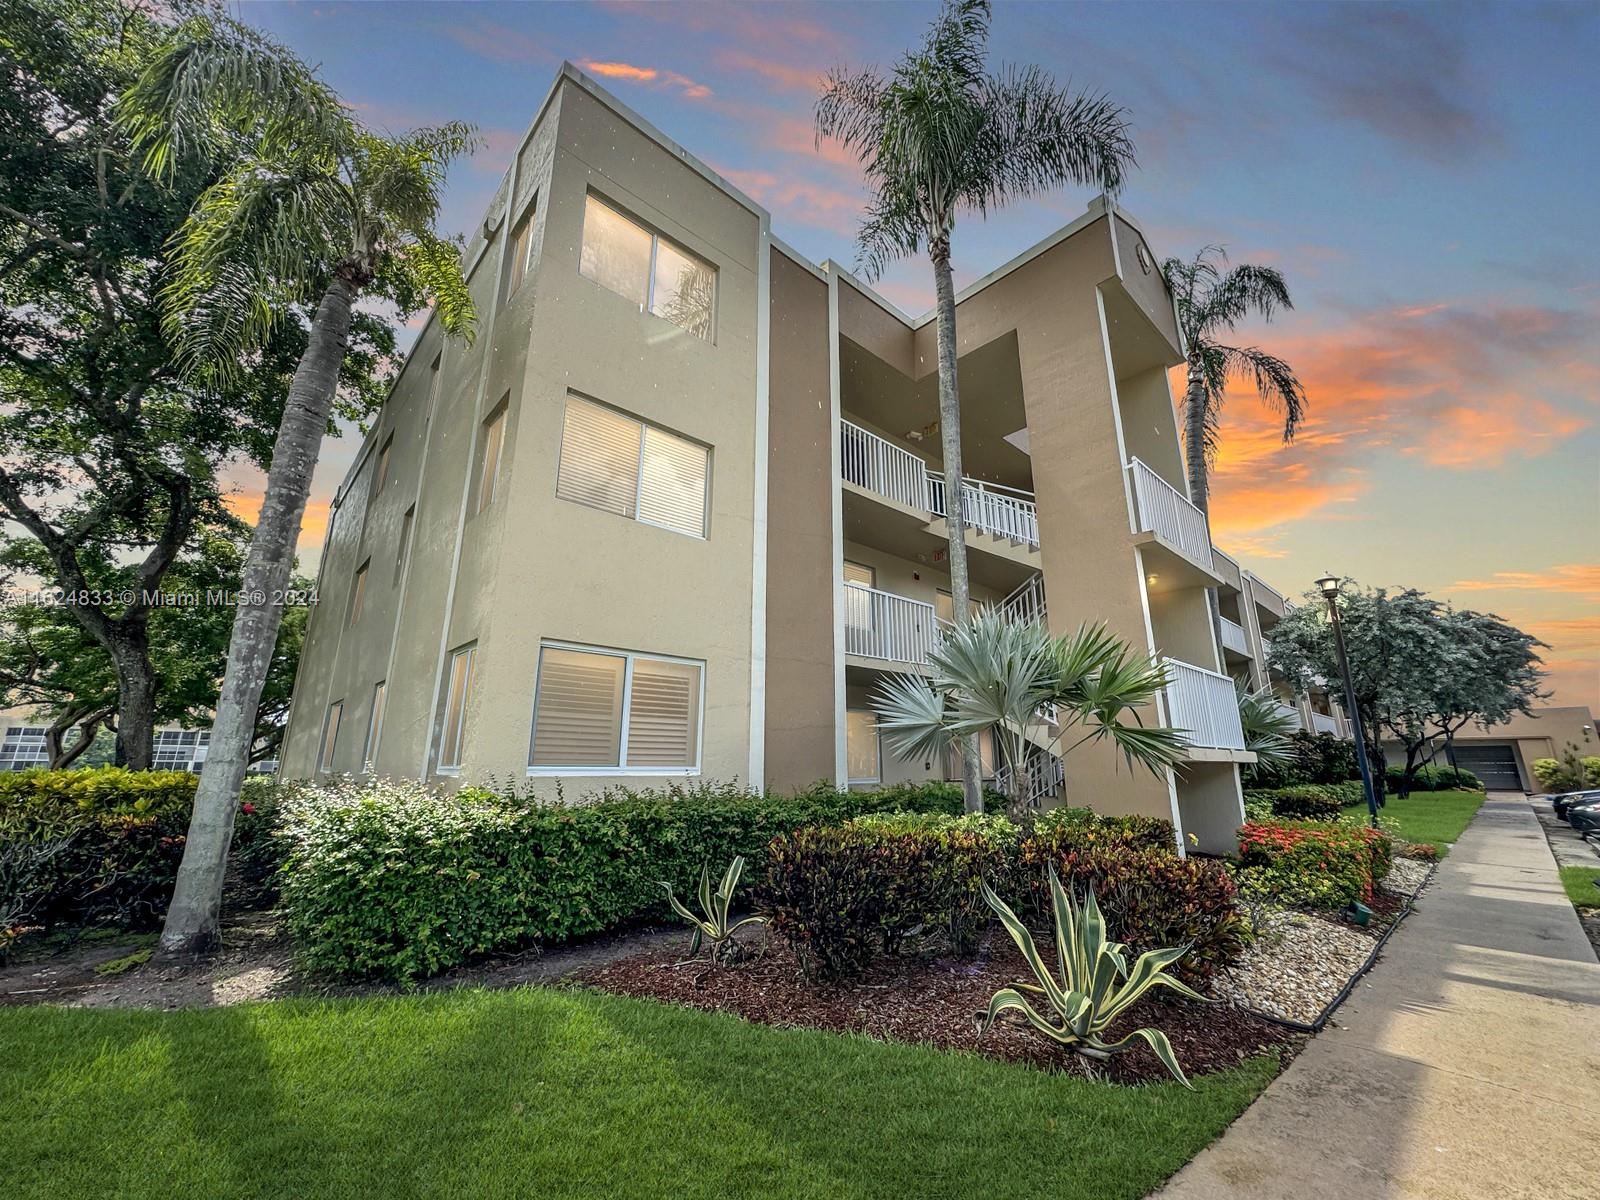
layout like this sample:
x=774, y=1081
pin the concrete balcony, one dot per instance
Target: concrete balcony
x=888, y=628
x=1322, y=723
x=1228, y=570
x=1234, y=640
x=1292, y=713
x=878, y=466
x=1172, y=531
x=1205, y=706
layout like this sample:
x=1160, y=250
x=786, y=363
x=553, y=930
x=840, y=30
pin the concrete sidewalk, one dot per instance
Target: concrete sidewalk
x=1467, y=1064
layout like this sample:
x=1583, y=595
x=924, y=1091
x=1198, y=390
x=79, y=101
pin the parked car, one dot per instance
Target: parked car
x=1562, y=801
x=1584, y=816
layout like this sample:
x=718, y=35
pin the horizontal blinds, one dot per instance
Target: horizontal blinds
x=599, y=458
x=672, y=483
x=664, y=714
x=577, y=720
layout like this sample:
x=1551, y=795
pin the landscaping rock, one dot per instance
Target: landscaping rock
x=1296, y=967
x=1406, y=877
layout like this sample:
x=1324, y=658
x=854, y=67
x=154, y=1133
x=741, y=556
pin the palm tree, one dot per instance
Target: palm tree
x=1031, y=690
x=314, y=211
x=1268, y=729
x=941, y=135
x=1211, y=300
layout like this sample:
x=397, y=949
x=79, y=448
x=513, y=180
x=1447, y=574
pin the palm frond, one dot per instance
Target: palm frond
x=913, y=718
x=1275, y=380
x=1267, y=728
x=434, y=267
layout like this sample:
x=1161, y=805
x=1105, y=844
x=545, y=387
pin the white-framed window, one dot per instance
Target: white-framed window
x=330, y=735
x=489, y=448
x=374, y=724
x=180, y=749
x=404, y=547
x=521, y=252
x=641, y=266
x=382, y=476
x=358, y=591
x=863, y=753
x=23, y=747
x=615, y=712
x=453, y=728
x=620, y=464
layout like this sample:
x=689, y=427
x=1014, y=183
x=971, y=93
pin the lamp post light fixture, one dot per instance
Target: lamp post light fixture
x=1329, y=586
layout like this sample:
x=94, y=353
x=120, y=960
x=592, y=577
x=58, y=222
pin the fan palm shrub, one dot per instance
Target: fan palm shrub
x=1268, y=730
x=940, y=135
x=1035, y=692
x=314, y=212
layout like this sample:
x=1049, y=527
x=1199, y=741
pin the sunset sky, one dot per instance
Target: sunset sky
x=1425, y=177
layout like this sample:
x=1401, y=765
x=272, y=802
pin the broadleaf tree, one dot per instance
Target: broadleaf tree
x=313, y=213
x=113, y=456
x=941, y=135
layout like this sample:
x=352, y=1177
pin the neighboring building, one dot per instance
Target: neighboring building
x=22, y=745
x=679, y=507
x=1503, y=755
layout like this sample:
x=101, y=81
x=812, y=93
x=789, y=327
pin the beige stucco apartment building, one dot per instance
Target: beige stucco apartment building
x=679, y=507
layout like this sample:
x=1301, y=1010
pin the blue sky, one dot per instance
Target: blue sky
x=1424, y=175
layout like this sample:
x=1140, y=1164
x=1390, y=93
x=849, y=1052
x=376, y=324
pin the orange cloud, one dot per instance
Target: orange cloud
x=791, y=78
x=1446, y=384
x=632, y=74
x=1582, y=578
x=313, y=526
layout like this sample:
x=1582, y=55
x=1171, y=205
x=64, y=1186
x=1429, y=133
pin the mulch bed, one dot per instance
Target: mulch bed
x=933, y=1001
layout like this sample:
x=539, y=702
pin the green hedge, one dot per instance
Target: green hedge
x=394, y=881
x=1307, y=801
x=1313, y=758
x=101, y=845
x=1434, y=778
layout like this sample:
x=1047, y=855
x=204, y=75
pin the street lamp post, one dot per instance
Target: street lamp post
x=1329, y=584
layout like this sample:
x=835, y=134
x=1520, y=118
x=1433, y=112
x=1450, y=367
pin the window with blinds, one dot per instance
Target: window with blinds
x=601, y=711
x=453, y=730
x=624, y=466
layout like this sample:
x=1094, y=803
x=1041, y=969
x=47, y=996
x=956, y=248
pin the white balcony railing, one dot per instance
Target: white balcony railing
x=1166, y=512
x=1205, y=705
x=1025, y=604
x=893, y=472
x=1292, y=713
x=990, y=508
x=1233, y=637
x=1322, y=723
x=880, y=624
x=1042, y=777
x=880, y=466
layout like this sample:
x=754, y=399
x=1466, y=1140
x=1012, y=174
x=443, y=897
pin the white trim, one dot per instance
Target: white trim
x=841, y=753
x=1116, y=417
x=759, y=530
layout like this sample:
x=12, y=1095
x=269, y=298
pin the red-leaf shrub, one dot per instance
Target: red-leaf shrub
x=1312, y=864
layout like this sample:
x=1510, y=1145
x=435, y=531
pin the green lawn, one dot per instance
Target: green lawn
x=550, y=1093
x=1580, y=884
x=1437, y=817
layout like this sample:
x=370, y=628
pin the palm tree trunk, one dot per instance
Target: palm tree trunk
x=955, y=518
x=193, y=918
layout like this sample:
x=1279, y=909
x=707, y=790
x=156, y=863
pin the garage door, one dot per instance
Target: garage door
x=1496, y=765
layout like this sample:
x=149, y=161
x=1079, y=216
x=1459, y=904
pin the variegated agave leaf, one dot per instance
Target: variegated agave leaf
x=1092, y=985
x=711, y=923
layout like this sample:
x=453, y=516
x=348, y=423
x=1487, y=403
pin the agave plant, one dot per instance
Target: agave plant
x=712, y=925
x=1094, y=986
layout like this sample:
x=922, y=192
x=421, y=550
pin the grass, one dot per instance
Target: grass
x=558, y=1093
x=1436, y=817
x=1580, y=884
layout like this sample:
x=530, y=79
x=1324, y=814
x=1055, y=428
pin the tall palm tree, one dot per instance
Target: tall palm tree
x=940, y=135
x=1212, y=299
x=314, y=212
x=1027, y=688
